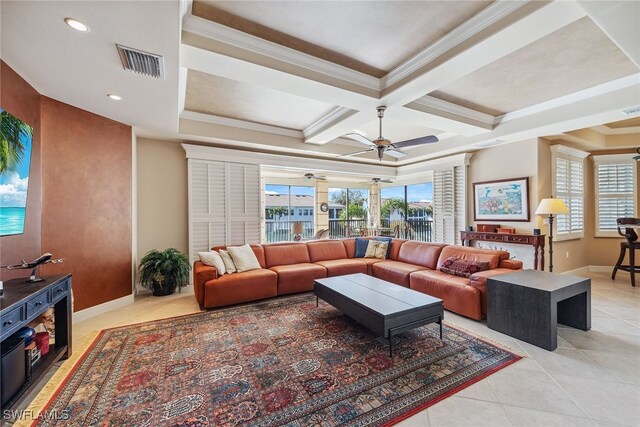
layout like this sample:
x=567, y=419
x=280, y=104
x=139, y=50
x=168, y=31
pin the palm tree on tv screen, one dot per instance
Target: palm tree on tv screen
x=12, y=147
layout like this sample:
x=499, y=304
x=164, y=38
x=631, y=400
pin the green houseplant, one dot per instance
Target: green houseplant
x=163, y=271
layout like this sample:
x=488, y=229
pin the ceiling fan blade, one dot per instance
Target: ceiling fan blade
x=320, y=177
x=395, y=153
x=386, y=181
x=356, y=153
x=417, y=141
x=361, y=139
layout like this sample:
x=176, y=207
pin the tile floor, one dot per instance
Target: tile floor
x=592, y=379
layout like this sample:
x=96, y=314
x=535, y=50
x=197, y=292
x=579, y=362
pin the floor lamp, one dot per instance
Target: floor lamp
x=551, y=207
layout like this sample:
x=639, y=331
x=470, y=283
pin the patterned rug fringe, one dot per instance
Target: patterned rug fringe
x=57, y=380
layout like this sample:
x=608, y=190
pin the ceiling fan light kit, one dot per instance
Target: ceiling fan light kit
x=382, y=145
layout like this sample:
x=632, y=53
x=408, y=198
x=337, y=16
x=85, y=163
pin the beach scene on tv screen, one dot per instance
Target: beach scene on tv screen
x=15, y=158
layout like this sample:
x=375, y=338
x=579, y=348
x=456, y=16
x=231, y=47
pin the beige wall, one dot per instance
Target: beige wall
x=162, y=196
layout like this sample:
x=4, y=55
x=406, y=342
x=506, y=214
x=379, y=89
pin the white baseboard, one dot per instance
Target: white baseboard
x=90, y=312
x=590, y=269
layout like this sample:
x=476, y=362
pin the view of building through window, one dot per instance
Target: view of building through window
x=286, y=205
x=408, y=210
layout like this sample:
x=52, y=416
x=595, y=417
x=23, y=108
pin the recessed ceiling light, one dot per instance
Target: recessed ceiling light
x=77, y=25
x=114, y=97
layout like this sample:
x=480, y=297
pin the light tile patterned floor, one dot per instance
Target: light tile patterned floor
x=592, y=379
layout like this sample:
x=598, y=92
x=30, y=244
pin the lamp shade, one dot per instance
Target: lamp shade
x=552, y=207
x=297, y=228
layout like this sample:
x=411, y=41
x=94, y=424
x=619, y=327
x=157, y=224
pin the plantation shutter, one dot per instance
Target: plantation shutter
x=570, y=188
x=224, y=204
x=615, y=190
x=443, y=206
x=460, y=201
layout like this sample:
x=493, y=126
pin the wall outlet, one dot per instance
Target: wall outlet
x=567, y=254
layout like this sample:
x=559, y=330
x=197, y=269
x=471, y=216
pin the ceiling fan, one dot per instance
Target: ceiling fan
x=379, y=180
x=310, y=176
x=384, y=146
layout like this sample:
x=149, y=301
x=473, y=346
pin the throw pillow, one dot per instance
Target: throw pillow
x=228, y=262
x=244, y=258
x=376, y=249
x=213, y=259
x=385, y=239
x=361, y=247
x=463, y=268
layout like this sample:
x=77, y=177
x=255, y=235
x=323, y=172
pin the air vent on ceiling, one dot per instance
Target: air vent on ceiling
x=632, y=111
x=147, y=64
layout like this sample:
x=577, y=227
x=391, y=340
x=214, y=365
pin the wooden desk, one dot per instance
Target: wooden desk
x=520, y=239
x=23, y=302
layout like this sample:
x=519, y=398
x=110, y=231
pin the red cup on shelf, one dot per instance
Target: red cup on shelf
x=42, y=342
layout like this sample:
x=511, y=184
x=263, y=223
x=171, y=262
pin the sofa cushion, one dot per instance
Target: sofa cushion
x=213, y=259
x=339, y=267
x=241, y=287
x=377, y=249
x=472, y=254
x=297, y=277
x=229, y=265
x=456, y=292
x=326, y=250
x=361, y=247
x=285, y=254
x=370, y=262
x=243, y=257
x=463, y=268
x=394, y=249
x=395, y=271
x=258, y=250
x=420, y=253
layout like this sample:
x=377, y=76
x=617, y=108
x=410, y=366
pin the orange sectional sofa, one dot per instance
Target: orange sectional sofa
x=292, y=267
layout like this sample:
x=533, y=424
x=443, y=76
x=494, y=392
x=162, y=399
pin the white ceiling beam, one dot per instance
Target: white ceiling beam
x=603, y=107
x=620, y=21
x=549, y=17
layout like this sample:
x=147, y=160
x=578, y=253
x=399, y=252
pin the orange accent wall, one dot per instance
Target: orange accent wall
x=23, y=101
x=86, y=201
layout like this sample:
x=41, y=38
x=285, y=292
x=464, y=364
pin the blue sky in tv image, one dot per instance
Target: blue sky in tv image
x=13, y=192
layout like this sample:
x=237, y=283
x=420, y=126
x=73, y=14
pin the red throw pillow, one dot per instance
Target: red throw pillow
x=463, y=268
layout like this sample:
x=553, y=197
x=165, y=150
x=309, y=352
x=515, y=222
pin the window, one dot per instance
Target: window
x=568, y=184
x=409, y=209
x=282, y=202
x=615, y=178
x=351, y=210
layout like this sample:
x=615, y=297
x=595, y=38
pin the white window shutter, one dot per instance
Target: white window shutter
x=615, y=186
x=443, y=206
x=460, y=201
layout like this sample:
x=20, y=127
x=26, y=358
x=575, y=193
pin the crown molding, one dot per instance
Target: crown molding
x=458, y=110
x=241, y=124
x=338, y=114
x=606, y=130
x=563, y=149
x=614, y=158
x=601, y=89
x=238, y=39
x=455, y=37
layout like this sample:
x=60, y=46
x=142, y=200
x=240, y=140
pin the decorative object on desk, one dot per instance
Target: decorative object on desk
x=324, y=207
x=536, y=231
x=487, y=228
x=551, y=207
x=49, y=322
x=506, y=230
x=28, y=334
x=297, y=231
x=42, y=342
x=469, y=227
x=506, y=200
x=45, y=258
x=163, y=271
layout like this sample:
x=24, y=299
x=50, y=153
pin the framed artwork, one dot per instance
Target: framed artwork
x=503, y=200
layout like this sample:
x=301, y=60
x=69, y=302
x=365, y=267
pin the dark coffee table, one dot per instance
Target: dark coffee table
x=385, y=308
x=529, y=304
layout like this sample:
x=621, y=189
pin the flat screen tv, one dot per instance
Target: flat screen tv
x=16, y=139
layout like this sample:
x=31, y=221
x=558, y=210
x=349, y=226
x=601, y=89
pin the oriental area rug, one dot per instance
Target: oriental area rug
x=277, y=362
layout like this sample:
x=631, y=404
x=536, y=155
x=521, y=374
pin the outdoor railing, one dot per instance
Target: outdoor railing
x=282, y=231
x=339, y=228
x=413, y=229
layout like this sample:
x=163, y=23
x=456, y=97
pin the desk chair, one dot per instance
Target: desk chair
x=631, y=243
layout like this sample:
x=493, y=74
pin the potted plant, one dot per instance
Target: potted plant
x=163, y=271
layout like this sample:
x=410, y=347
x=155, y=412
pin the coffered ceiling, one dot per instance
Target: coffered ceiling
x=295, y=77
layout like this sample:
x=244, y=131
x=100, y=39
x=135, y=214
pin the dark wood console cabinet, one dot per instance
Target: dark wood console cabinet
x=23, y=302
x=537, y=241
